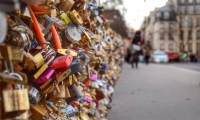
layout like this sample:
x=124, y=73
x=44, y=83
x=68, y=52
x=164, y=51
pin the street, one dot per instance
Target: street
x=157, y=92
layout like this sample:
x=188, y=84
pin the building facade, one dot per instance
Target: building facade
x=160, y=28
x=188, y=17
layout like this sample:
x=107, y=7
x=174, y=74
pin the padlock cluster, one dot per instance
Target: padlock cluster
x=60, y=60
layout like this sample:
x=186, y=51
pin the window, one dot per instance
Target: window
x=198, y=47
x=182, y=22
x=171, y=37
x=162, y=25
x=190, y=47
x=190, y=35
x=166, y=15
x=182, y=1
x=171, y=26
x=197, y=1
x=198, y=34
x=198, y=22
x=171, y=47
x=181, y=34
x=190, y=1
x=162, y=37
x=162, y=46
x=149, y=20
x=158, y=15
x=189, y=22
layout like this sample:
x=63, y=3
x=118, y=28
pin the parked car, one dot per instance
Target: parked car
x=159, y=57
x=173, y=56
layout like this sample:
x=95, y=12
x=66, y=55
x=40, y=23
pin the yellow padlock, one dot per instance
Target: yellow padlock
x=65, y=18
x=75, y=17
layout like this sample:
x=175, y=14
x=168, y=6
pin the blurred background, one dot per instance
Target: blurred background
x=168, y=88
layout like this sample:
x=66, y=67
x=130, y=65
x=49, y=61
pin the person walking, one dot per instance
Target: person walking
x=147, y=53
x=136, y=48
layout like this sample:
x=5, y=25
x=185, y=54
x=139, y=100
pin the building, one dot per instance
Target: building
x=116, y=22
x=188, y=17
x=160, y=28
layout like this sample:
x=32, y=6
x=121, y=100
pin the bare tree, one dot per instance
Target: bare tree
x=115, y=4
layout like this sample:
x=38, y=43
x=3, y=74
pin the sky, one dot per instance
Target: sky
x=137, y=9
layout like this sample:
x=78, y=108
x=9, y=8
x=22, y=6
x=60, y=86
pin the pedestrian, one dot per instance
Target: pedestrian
x=136, y=42
x=147, y=52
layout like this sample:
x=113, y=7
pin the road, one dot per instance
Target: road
x=191, y=66
x=156, y=92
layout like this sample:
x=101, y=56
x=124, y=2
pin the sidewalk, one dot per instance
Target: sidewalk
x=156, y=92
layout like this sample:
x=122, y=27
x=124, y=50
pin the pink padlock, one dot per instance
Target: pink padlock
x=94, y=76
x=45, y=76
x=87, y=99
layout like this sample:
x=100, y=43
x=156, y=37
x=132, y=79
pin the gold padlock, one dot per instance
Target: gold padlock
x=65, y=5
x=75, y=17
x=55, y=95
x=67, y=51
x=28, y=62
x=38, y=112
x=18, y=100
x=48, y=88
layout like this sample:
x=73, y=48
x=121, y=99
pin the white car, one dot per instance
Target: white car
x=159, y=57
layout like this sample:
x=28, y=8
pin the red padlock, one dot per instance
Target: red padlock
x=62, y=61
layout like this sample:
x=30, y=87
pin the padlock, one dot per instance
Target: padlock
x=67, y=51
x=66, y=5
x=75, y=66
x=17, y=54
x=62, y=61
x=60, y=103
x=59, y=23
x=38, y=112
x=65, y=18
x=63, y=75
x=51, y=105
x=75, y=17
x=84, y=57
x=48, y=24
x=71, y=33
x=15, y=100
x=84, y=117
x=87, y=37
x=7, y=55
x=18, y=39
x=53, y=96
x=34, y=95
x=44, y=67
x=94, y=85
x=54, y=116
x=47, y=88
x=3, y=26
x=93, y=76
x=45, y=76
x=87, y=99
x=17, y=67
x=98, y=50
x=70, y=111
x=75, y=94
x=28, y=62
x=79, y=5
x=69, y=81
x=40, y=58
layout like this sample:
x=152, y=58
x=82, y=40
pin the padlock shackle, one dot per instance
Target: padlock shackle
x=37, y=27
x=50, y=60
